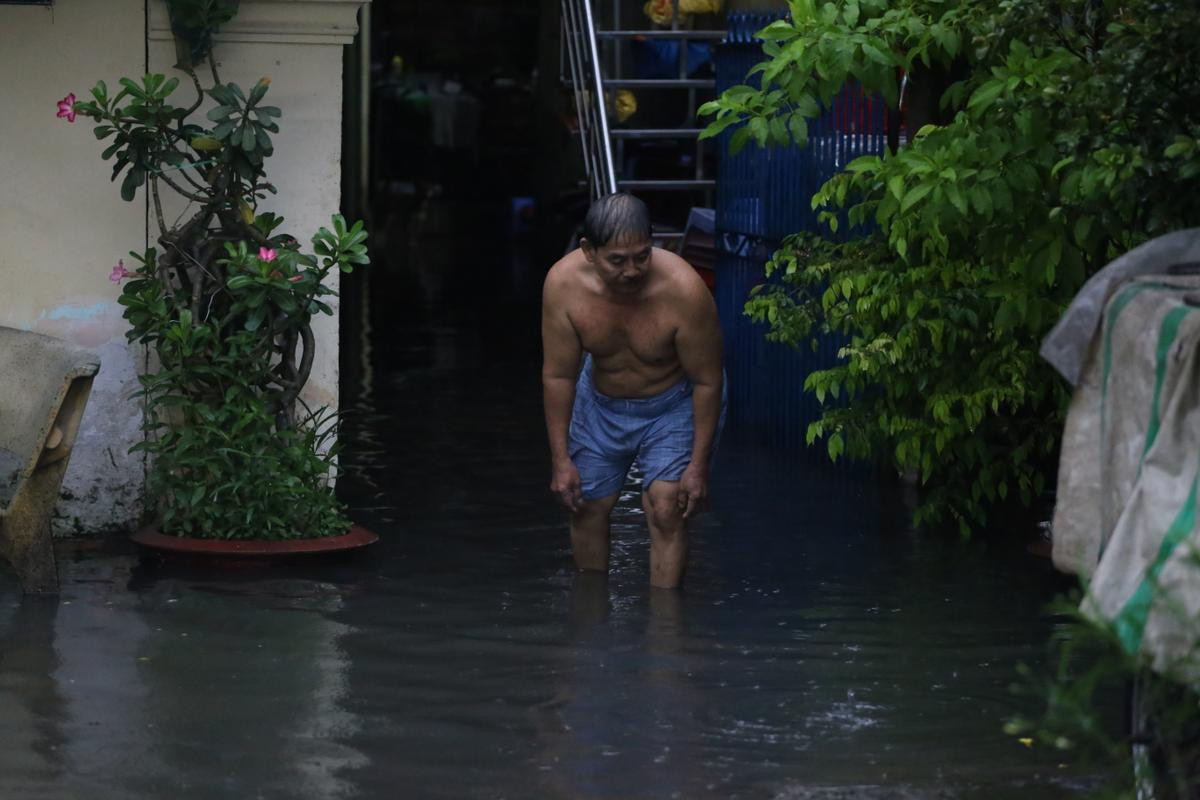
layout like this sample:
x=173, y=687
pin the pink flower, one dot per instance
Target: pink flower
x=296, y=278
x=66, y=107
x=266, y=254
x=119, y=272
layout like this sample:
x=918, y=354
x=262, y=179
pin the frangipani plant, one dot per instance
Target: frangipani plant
x=224, y=300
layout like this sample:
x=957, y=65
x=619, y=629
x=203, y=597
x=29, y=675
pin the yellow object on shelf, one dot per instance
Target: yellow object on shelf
x=660, y=12
x=626, y=104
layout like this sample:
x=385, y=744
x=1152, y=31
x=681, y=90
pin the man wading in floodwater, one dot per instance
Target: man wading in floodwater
x=650, y=385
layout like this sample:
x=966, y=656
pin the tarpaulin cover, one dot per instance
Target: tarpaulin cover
x=1130, y=464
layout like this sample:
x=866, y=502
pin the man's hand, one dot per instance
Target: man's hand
x=693, y=488
x=565, y=483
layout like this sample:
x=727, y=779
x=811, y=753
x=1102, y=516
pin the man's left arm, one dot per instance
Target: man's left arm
x=698, y=342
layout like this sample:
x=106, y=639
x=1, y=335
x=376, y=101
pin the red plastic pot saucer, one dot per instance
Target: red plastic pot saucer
x=357, y=536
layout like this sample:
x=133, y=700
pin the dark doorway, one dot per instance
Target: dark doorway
x=464, y=186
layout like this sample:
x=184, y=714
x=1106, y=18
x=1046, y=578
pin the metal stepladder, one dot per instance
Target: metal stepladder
x=597, y=49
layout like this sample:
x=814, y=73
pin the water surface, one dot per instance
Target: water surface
x=818, y=649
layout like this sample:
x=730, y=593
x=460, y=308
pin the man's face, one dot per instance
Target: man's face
x=623, y=263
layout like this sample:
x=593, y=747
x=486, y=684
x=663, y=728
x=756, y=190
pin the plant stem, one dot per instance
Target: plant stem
x=191, y=73
x=303, y=371
x=198, y=198
x=200, y=186
x=158, y=212
x=212, y=65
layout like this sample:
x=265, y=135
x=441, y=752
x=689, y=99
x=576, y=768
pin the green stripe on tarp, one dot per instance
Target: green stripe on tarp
x=1115, y=308
x=1130, y=621
x=1166, y=340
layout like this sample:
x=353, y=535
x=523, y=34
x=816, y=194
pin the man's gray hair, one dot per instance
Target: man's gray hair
x=616, y=216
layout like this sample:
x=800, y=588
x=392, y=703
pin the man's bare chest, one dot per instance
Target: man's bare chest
x=607, y=330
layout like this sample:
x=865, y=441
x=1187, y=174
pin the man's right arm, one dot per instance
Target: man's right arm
x=561, y=354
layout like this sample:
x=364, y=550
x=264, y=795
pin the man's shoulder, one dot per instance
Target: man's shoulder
x=680, y=278
x=569, y=268
x=565, y=273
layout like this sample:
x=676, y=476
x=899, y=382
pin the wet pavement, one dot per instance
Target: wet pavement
x=819, y=649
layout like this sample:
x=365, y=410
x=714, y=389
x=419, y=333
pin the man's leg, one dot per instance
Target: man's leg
x=589, y=533
x=668, y=534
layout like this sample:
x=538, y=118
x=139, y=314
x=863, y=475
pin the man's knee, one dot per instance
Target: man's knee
x=594, y=511
x=662, y=508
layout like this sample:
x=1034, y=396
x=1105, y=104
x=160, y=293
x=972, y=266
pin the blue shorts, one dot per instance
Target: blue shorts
x=608, y=434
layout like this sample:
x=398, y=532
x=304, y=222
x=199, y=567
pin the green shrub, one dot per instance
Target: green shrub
x=1068, y=134
x=225, y=302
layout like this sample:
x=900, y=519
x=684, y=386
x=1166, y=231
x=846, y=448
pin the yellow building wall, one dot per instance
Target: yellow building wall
x=63, y=226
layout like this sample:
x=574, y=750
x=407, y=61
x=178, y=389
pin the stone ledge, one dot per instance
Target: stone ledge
x=325, y=22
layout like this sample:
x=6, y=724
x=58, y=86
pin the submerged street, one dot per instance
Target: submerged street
x=819, y=648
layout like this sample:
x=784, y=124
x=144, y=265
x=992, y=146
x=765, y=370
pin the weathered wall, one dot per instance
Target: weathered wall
x=63, y=226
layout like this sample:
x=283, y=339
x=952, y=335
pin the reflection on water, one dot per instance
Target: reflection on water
x=818, y=649
x=179, y=687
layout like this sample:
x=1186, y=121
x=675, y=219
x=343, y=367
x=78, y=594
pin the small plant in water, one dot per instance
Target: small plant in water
x=225, y=302
x=1108, y=708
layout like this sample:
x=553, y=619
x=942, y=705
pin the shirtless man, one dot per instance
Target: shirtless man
x=632, y=369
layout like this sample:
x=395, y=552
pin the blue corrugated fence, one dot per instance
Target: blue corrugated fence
x=764, y=195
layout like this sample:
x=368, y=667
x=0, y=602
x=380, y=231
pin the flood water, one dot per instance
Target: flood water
x=819, y=649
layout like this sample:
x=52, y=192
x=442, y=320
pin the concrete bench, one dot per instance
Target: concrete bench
x=44, y=387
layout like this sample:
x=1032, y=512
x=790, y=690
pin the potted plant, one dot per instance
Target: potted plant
x=224, y=300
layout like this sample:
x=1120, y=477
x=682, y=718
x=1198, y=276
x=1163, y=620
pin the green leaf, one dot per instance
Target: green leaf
x=875, y=54
x=850, y=13
x=946, y=38
x=984, y=96
x=133, y=179
x=223, y=96
x=259, y=90
x=218, y=113
x=779, y=131
x=777, y=30
x=915, y=195
x=718, y=126
x=864, y=164
x=132, y=88
x=254, y=319
x=836, y=446
x=956, y=198
x=759, y=130
x=1083, y=226
x=981, y=199
x=1181, y=146
x=738, y=141
x=798, y=127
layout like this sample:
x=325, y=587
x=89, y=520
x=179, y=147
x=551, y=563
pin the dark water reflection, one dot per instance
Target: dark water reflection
x=817, y=650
